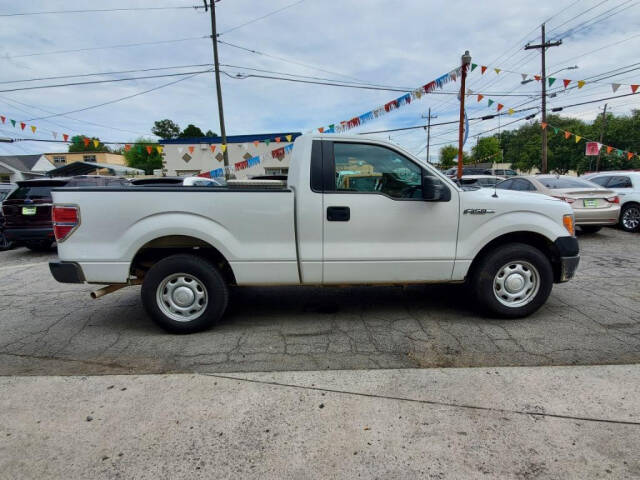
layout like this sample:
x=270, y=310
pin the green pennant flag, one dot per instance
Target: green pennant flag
x=491, y=102
x=13, y=123
x=619, y=153
x=139, y=148
x=474, y=66
x=555, y=130
x=551, y=80
x=267, y=141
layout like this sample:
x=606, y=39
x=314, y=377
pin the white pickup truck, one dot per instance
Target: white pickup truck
x=353, y=211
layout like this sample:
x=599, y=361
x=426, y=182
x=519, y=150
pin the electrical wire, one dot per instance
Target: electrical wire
x=261, y=18
x=98, y=10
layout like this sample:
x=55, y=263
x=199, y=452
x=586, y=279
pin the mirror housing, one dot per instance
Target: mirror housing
x=433, y=190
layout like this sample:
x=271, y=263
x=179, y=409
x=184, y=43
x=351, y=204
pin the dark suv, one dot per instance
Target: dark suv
x=27, y=210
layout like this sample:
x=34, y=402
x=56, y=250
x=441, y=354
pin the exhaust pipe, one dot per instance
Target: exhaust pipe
x=101, y=292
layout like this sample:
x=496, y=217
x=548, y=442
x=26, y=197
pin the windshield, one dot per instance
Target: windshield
x=555, y=183
x=35, y=191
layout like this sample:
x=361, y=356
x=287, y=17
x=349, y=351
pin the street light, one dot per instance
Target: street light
x=6, y=140
x=524, y=82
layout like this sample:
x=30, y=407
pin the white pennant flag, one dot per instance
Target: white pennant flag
x=615, y=87
x=55, y=134
x=180, y=149
x=524, y=76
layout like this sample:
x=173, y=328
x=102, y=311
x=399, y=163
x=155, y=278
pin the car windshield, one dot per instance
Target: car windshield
x=35, y=191
x=555, y=183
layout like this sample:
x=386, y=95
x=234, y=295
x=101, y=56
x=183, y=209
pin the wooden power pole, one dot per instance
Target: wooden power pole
x=543, y=49
x=465, y=61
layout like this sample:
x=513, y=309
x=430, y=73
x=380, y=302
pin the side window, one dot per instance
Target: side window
x=372, y=168
x=602, y=181
x=620, y=182
x=505, y=185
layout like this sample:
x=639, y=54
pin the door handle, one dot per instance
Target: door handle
x=338, y=214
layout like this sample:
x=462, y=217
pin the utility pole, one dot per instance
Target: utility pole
x=602, y=127
x=429, y=117
x=543, y=49
x=214, y=38
x=466, y=61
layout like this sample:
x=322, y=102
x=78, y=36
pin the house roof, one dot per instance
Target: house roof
x=22, y=163
x=231, y=138
x=4, y=169
x=84, y=168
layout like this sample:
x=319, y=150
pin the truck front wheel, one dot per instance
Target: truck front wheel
x=184, y=293
x=512, y=281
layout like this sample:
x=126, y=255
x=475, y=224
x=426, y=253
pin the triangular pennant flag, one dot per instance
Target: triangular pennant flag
x=149, y=149
x=544, y=125
x=581, y=84
x=86, y=141
x=3, y=118
x=212, y=147
x=609, y=149
x=223, y=147
x=537, y=77
x=139, y=148
x=578, y=138
x=180, y=149
x=615, y=87
x=288, y=137
x=191, y=148
x=13, y=122
x=267, y=141
x=500, y=107
x=256, y=142
x=491, y=102
x=55, y=134
x=629, y=155
x=33, y=129
x=567, y=135
x=469, y=92
x=483, y=69
x=277, y=139
x=65, y=137
x=634, y=88
x=555, y=130
x=473, y=67
x=127, y=147
x=511, y=111
x=619, y=153
x=480, y=97
x=22, y=125
x=159, y=149
x=551, y=80
x=96, y=143
x=497, y=70
x=524, y=76
x=566, y=82
x=321, y=129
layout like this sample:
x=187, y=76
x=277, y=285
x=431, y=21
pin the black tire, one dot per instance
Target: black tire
x=41, y=246
x=629, y=217
x=590, y=228
x=205, y=275
x=485, y=272
x=5, y=244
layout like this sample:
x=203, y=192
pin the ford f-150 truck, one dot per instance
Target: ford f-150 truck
x=352, y=211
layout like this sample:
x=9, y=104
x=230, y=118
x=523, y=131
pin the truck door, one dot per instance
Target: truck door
x=377, y=226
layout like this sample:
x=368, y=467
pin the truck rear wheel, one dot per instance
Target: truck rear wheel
x=512, y=281
x=184, y=293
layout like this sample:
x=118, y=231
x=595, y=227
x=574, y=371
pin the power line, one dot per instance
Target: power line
x=566, y=60
x=261, y=18
x=98, y=10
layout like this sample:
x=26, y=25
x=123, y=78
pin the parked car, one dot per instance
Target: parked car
x=413, y=225
x=627, y=186
x=593, y=205
x=27, y=210
x=5, y=190
x=504, y=172
x=453, y=171
x=482, y=181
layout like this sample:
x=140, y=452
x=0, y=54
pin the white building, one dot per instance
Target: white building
x=192, y=156
x=14, y=168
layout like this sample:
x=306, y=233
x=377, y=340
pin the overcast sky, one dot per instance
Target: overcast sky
x=400, y=44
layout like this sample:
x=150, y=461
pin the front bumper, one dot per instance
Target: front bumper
x=66, y=272
x=567, y=253
x=568, y=267
x=24, y=235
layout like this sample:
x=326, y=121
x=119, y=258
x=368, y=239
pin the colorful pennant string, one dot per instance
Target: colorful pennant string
x=578, y=138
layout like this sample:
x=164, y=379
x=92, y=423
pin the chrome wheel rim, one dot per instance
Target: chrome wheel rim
x=182, y=297
x=631, y=218
x=516, y=284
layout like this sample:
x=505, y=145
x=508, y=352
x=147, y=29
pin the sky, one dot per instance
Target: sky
x=401, y=44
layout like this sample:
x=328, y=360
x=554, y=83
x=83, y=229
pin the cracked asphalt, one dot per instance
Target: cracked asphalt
x=49, y=328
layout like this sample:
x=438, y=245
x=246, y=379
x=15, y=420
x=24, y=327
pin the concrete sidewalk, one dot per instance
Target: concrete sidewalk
x=540, y=422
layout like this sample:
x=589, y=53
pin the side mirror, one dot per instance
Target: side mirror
x=433, y=190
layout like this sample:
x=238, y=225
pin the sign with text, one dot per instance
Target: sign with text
x=593, y=148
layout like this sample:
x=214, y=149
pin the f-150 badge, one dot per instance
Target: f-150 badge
x=478, y=211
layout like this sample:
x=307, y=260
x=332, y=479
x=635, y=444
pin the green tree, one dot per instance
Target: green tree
x=211, y=134
x=191, y=132
x=138, y=156
x=449, y=156
x=165, y=129
x=486, y=150
x=78, y=145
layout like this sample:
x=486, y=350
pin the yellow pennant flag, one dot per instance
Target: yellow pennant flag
x=581, y=84
x=96, y=143
x=288, y=137
x=578, y=138
x=511, y=111
x=33, y=128
x=223, y=147
x=498, y=70
x=159, y=149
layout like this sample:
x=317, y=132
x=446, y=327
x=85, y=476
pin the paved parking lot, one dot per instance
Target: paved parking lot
x=48, y=328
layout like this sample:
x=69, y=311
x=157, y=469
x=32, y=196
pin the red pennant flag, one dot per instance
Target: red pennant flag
x=480, y=97
x=566, y=82
x=321, y=129
x=22, y=125
x=483, y=69
x=609, y=149
x=212, y=147
x=86, y=141
x=127, y=147
x=256, y=142
x=65, y=137
x=191, y=148
x=277, y=139
x=500, y=107
x=149, y=149
x=567, y=135
x=537, y=77
x=634, y=88
x=629, y=155
x=3, y=118
x=544, y=125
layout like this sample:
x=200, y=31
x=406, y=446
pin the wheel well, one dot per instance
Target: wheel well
x=536, y=240
x=163, y=247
